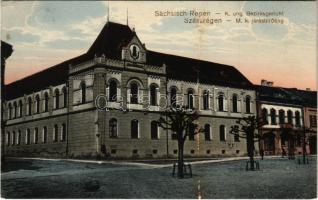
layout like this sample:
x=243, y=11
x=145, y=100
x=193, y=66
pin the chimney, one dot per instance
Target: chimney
x=264, y=82
x=270, y=83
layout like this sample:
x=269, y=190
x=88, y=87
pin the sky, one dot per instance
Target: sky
x=45, y=33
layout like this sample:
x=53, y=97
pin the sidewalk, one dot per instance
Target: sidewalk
x=144, y=162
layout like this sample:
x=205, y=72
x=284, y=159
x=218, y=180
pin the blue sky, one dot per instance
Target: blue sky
x=45, y=33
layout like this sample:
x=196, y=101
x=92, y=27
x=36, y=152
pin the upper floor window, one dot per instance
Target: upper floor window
x=20, y=108
x=221, y=102
x=112, y=91
x=222, y=133
x=83, y=91
x=113, y=128
x=37, y=104
x=15, y=110
x=264, y=116
x=173, y=97
x=273, y=116
x=206, y=98
x=64, y=95
x=134, y=129
x=153, y=94
x=190, y=97
x=207, y=132
x=281, y=114
x=134, y=93
x=234, y=103
x=29, y=108
x=248, y=104
x=154, y=130
x=56, y=98
x=63, y=132
x=46, y=102
x=297, y=118
x=290, y=117
x=10, y=111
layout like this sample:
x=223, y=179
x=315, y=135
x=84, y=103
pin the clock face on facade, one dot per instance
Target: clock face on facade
x=134, y=51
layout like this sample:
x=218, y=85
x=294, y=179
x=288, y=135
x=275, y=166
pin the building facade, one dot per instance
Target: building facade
x=289, y=117
x=107, y=101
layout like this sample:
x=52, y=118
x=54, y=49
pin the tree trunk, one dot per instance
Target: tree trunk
x=304, y=147
x=250, y=149
x=180, y=158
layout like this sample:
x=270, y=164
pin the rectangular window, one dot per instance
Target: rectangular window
x=313, y=121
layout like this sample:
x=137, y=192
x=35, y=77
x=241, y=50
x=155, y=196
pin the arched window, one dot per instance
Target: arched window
x=290, y=117
x=112, y=91
x=46, y=102
x=55, y=133
x=37, y=104
x=264, y=115
x=154, y=130
x=234, y=103
x=206, y=98
x=153, y=95
x=236, y=135
x=15, y=110
x=134, y=93
x=191, y=130
x=83, y=91
x=64, y=94
x=8, y=138
x=207, y=132
x=281, y=114
x=20, y=108
x=36, y=136
x=29, y=108
x=173, y=97
x=63, y=133
x=221, y=102
x=44, y=134
x=113, y=128
x=273, y=116
x=19, y=138
x=10, y=111
x=13, y=138
x=248, y=104
x=27, y=137
x=190, y=97
x=222, y=133
x=134, y=129
x=297, y=118
x=56, y=98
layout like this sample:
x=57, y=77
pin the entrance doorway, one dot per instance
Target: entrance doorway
x=313, y=145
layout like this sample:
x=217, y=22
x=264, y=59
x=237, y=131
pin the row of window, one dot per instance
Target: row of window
x=15, y=138
x=175, y=151
x=281, y=116
x=15, y=110
x=154, y=131
x=134, y=87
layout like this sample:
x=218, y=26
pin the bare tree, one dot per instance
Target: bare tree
x=179, y=122
x=247, y=128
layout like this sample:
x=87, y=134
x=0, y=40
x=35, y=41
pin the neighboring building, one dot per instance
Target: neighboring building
x=283, y=111
x=53, y=112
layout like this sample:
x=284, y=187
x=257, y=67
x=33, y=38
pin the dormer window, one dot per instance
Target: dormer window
x=134, y=51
